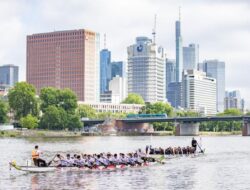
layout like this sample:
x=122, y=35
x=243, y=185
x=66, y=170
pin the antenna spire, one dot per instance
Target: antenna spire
x=179, y=13
x=104, y=40
x=154, y=29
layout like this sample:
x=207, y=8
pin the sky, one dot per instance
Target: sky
x=220, y=27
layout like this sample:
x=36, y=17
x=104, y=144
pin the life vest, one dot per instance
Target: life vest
x=34, y=154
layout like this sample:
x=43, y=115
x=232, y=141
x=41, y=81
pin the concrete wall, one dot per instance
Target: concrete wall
x=187, y=129
x=246, y=129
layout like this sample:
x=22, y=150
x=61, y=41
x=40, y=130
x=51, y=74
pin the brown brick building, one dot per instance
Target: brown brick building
x=65, y=59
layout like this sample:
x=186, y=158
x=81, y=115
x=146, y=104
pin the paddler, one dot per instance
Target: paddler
x=194, y=143
x=35, y=154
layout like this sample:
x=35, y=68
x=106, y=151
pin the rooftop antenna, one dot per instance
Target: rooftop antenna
x=180, y=13
x=154, y=30
x=105, y=41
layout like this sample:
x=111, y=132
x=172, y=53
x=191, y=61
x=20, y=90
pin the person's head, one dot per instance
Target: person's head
x=68, y=156
x=98, y=156
x=36, y=147
x=58, y=156
x=115, y=155
x=78, y=157
x=193, y=138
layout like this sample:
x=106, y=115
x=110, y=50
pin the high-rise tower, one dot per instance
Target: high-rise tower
x=179, y=54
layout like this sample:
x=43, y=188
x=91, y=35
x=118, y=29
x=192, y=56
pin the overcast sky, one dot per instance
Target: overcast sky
x=220, y=27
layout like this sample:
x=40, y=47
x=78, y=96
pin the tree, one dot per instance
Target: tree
x=86, y=111
x=49, y=97
x=159, y=108
x=68, y=100
x=134, y=99
x=65, y=99
x=3, y=112
x=231, y=112
x=22, y=100
x=54, y=118
x=29, y=122
x=73, y=122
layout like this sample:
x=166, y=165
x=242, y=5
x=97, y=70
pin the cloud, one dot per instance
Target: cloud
x=222, y=28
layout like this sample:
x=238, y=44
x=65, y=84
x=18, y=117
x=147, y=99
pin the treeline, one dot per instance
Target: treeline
x=57, y=109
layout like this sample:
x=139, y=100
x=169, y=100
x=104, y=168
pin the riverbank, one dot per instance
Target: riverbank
x=48, y=134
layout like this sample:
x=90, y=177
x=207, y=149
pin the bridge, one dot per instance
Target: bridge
x=184, y=125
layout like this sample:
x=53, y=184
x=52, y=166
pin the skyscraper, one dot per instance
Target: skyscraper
x=146, y=70
x=199, y=92
x=65, y=59
x=190, y=57
x=105, y=70
x=170, y=72
x=233, y=100
x=174, y=94
x=118, y=68
x=8, y=75
x=179, y=53
x=216, y=69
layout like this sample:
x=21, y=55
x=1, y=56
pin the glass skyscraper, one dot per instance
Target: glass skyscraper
x=190, y=57
x=8, y=75
x=118, y=68
x=216, y=69
x=105, y=69
x=179, y=53
x=170, y=72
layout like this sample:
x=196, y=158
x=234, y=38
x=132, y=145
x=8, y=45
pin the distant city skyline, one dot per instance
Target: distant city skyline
x=219, y=33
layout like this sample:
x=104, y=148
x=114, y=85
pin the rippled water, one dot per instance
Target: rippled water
x=226, y=164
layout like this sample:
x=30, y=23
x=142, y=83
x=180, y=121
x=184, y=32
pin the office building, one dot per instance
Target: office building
x=65, y=59
x=199, y=92
x=179, y=53
x=117, y=91
x=174, y=94
x=170, y=72
x=191, y=57
x=216, y=69
x=8, y=75
x=233, y=100
x=105, y=70
x=114, y=108
x=146, y=70
x=118, y=68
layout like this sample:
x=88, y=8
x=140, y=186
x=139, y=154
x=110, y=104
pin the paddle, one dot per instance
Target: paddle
x=52, y=160
x=200, y=148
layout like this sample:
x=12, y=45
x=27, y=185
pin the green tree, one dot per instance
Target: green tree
x=54, y=118
x=49, y=97
x=73, y=122
x=22, y=100
x=86, y=111
x=65, y=99
x=159, y=108
x=231, y=112
x=29, y=122
x=134, y=99
x=3, y=111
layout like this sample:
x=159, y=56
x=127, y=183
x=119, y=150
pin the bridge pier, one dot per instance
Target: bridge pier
x=133, y=127
x=246, y=128
x=187, y=129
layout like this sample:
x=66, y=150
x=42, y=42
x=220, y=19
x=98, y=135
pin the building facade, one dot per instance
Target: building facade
x=9, y=75
x=178, y=52
x=118, y=68
x=216, y=69
x=170, y=72
x=146, y=70
x=233, y=100
x=65, y=59
x=105, y=70
x=199, y=92
x=190, y=57
x=174, y=94
x=114, y=108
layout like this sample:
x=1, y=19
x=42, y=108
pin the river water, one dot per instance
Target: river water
x=226, y=164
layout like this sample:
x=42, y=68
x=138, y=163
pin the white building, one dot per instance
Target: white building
x=117, y=91
x=114, y=108
x=191, y=57
x=146, y=70
x=199, y=92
